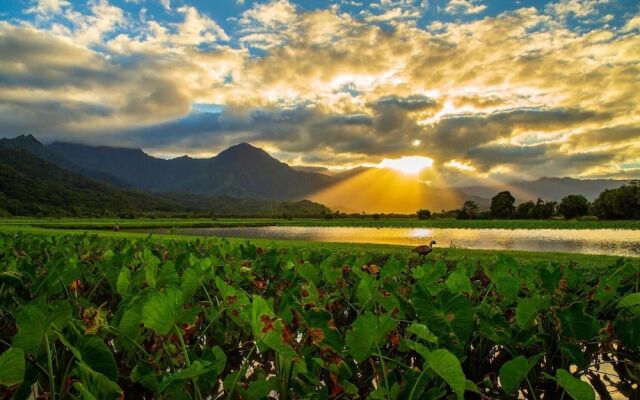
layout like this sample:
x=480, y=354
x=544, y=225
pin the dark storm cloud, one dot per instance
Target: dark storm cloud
x=455, y=135
x=409, y=103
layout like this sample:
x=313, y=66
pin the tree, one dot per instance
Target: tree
x=469, y=210
x=424, y=214
x=543, y=210
x=502, y=205
x=620, y=203
x=574, y=206
x=524, y=210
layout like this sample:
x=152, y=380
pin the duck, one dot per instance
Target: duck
x=425, y=249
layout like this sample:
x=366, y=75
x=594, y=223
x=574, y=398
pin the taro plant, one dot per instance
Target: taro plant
x=93, y=318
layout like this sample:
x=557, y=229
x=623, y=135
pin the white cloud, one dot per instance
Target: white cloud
x=166, y=4
x=48, y=6
x=464, y=7
x=578, y=8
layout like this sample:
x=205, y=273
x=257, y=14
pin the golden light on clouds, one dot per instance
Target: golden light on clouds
x=408, y=165
x=460, y=165
x=506, y=92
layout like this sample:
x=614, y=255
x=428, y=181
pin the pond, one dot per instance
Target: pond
x=616, y=242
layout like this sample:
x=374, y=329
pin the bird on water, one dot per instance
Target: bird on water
x=425, y=249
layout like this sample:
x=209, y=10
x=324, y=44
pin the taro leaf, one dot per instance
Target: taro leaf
x=92, y=353
x=514, y=371
x=129, y=324
x=574, y=353
x=98, y=356
x=267, y=328
x=449, y=316
x=459, y=282
x=12, y=367
x=33, y=324
x=494, y=327
x=151, y=263
x=360, y=338
x=368, y=331
x=607, y=289
x=631, y=302
x=575, y=324
x=261, y=313
x=392, y=268
x=124, y=281
x=628, y=330
x=168, y=276
x=448, y=367
x=95, y=384
x=32, y=327
x=528, y=309
x=161, y=310
x=143, y=374
x=423, y=332
x=190, y=284
x=366, y=290
x=576, y=388
x=508, y=286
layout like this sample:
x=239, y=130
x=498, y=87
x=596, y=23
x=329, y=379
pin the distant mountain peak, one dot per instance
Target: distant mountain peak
x=244, y=151
x=22, y=140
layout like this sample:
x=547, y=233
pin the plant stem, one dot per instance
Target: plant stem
x=187, y=361
x=415, y=385
x=384, y=372
x=240, y=371
x=52, y=383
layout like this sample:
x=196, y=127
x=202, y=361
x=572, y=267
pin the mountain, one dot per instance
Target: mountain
x=31, y=186
x=546, y=188
x=239, y=171
x=244, y=207
x=30, y=144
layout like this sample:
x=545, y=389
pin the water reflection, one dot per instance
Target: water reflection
x=597, y=241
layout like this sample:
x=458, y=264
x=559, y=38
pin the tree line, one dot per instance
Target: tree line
x=612, y=204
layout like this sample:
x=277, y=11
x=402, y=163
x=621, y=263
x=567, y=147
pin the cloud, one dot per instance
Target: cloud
x=577, y=8
x=44, y=7
x=512, y=94
x=465, y=7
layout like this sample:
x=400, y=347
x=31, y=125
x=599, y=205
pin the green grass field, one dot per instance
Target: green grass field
x=89, y=223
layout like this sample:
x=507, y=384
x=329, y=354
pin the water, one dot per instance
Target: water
x=616, y=242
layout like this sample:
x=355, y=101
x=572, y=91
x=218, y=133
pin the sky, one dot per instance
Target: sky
x=482, y=90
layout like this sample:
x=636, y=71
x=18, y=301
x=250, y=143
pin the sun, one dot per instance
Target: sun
x=408, y=165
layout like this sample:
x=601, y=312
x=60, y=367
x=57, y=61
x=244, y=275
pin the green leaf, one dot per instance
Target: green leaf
x=528, y=309
x=98, y=356
x=190, y=284
x=576, y=324
x=576, y=388
x=514, y=371
x=12, y=367
x=124, y=281
x=161, y=310
x=632, y=302
x=360, y=338
x=421, y=331
x=449, y=315
x=448, y=367
x=459, y=282
x=366, y=290
x=32, y=326
x=168, y=276
x=368, y=331
x=96, y=384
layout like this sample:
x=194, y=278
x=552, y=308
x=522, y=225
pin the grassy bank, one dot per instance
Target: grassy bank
x=453, y=254
x=81, y=223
